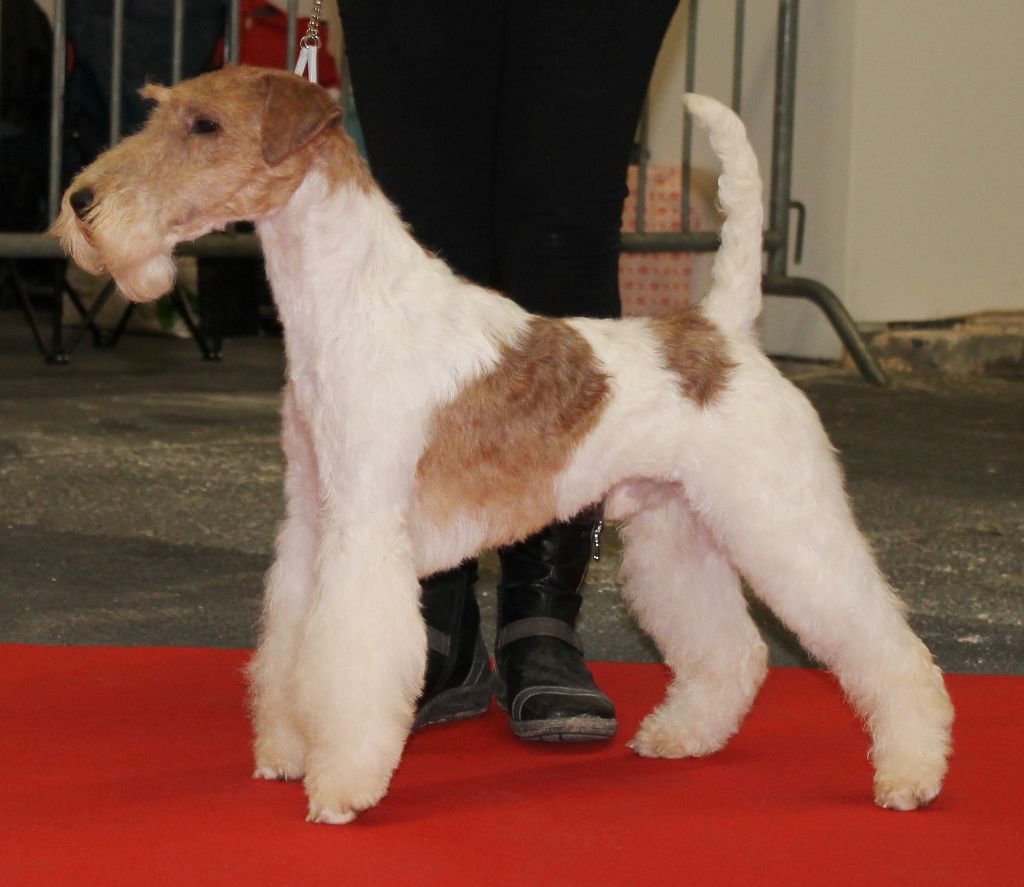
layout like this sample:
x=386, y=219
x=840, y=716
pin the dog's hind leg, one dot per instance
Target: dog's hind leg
x=687, y=596
x=280, y=746
x=767, y=484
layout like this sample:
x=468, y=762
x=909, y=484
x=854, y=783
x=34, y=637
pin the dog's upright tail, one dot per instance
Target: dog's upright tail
x=735, y=298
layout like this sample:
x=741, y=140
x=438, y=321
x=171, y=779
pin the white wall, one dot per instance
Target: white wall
x=908, y=151
x=937, y=158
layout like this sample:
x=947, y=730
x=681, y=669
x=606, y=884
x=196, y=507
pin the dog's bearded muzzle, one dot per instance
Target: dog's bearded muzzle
x=103, y=239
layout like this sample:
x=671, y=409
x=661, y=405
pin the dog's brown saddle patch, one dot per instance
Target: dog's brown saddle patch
x=506, y=436
x=694, y=349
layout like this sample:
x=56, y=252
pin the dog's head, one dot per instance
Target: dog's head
x=227, y=146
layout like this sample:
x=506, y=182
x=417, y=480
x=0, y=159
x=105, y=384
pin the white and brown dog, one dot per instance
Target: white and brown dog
x=426, y=418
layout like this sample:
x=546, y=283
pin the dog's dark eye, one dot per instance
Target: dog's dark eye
x=204, y=126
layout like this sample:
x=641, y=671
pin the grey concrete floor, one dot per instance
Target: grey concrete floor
x=140, y=490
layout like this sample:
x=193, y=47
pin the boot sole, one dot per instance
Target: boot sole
x=567, y=730
x=582, y=728
x=456, y=704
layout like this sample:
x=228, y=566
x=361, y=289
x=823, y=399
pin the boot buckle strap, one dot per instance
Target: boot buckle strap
x=535, y=626
x=438, y=641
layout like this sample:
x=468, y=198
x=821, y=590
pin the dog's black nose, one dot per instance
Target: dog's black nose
x=81, y=200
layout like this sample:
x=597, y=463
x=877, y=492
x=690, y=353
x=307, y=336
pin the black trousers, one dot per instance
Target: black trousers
x=502, y=130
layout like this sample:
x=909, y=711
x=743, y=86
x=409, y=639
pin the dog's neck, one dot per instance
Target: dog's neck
x=332, y=250
x=350, y=281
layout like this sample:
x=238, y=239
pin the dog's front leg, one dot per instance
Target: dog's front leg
x=360, y=667
x=280, y=743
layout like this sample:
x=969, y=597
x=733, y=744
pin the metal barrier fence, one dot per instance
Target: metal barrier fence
x=18, y=245
x=777, y=281
x=777, y=239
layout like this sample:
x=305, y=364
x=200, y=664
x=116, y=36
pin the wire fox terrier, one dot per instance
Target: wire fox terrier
x=425, y=418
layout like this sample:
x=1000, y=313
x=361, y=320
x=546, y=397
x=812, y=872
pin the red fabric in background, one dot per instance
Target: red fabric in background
x=131, y=766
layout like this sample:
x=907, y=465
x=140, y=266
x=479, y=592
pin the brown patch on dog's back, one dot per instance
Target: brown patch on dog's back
x=499, y=445
x=695, y=351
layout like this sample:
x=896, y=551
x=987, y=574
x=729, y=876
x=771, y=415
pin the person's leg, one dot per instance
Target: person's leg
x=425, y=77
x=575, y=73
x=574, y=78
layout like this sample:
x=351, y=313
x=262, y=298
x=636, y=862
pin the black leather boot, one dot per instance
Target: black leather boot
x=458, y=679
x=540, y=676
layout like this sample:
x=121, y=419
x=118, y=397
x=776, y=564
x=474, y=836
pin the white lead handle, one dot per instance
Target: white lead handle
x=307, y=60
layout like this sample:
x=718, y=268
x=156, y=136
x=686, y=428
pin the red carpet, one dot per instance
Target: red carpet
x=131, y=766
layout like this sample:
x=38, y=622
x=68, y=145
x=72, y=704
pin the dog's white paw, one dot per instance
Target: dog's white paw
x=278, y=772
x=909, y=770
x=325, y=816
x=659, y=737
x=341, y=791
x=338, y=808
x=905, y=792
x=280, y=759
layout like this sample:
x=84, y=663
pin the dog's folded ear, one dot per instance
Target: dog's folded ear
x=154, y=92
x=296, y=111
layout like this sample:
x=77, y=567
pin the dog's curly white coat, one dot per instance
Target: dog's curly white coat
x=380, y=335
